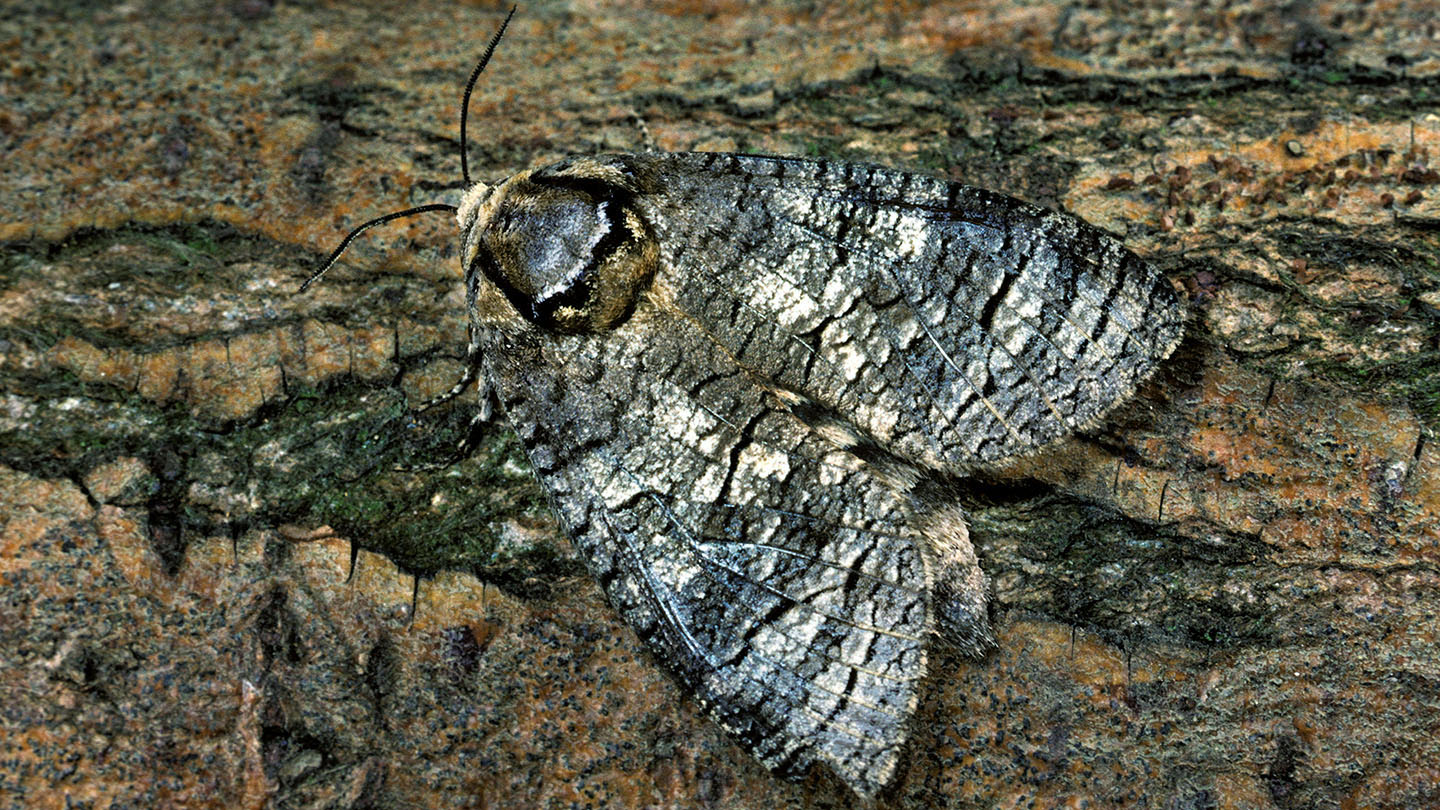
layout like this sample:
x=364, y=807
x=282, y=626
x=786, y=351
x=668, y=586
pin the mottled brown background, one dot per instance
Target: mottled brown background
x=1226, y=597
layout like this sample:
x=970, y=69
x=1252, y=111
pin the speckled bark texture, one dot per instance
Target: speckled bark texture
x=213, y=495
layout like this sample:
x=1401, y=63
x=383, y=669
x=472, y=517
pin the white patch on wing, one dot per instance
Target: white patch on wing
x=762, y=462
x=851, y=360
x=1025, y=308
x=912, y=235
x=789, y=303
x=616, y=486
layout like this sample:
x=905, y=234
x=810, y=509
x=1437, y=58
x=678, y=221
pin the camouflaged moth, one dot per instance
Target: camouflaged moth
x=745, y=383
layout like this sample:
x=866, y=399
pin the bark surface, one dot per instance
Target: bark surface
x=213, y=498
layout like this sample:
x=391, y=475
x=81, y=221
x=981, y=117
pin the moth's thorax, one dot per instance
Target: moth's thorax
x=565, y=246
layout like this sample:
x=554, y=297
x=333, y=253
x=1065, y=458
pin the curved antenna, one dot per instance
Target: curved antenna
x=469, y=86
x=464, y=166
x=335, y=255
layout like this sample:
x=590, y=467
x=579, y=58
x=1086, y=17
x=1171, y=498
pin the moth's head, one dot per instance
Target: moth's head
x=566, y=245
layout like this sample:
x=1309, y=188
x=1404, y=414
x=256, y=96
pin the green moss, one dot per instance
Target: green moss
x=352, y=458
x=358, y=460
x=827, y=149
x=1413, y=378
x=190, y=246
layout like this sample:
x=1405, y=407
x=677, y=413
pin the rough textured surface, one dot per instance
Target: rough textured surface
x=1226, y=596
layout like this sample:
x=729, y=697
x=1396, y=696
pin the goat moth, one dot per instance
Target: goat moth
x=746, y=384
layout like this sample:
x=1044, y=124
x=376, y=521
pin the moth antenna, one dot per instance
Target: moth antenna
x=470, y=86
x=464, y=165
x=344, y=243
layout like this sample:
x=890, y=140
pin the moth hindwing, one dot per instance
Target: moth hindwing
x=745, y=383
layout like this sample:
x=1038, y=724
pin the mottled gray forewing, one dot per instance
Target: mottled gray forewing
x=772, y=572
x=952, y=325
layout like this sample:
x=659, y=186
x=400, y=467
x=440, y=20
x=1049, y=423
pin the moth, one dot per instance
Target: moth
x=747, y=385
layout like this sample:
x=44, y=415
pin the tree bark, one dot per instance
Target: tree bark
x=215, y=509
